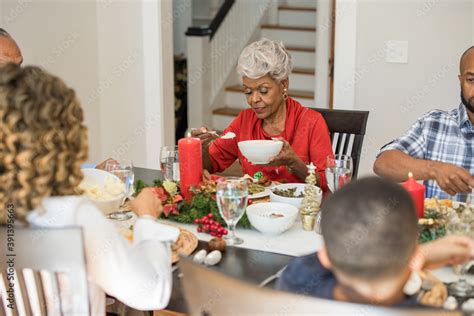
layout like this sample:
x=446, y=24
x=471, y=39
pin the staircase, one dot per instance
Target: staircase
x=296, y=28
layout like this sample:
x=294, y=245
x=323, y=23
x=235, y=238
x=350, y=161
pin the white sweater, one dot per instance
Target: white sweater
x=138, y=273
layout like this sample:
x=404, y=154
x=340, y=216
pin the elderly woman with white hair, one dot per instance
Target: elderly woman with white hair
x=265, y=66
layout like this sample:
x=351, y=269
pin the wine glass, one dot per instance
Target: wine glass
x=169, y=163
x=460, y=288
x=231, y=195
x=123, y=169
x=338, y=171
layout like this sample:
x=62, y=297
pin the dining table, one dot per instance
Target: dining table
x=260, y=257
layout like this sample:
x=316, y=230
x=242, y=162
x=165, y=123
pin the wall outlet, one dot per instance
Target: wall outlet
x=396, y=52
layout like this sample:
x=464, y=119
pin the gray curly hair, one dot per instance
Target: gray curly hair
x=265, y=57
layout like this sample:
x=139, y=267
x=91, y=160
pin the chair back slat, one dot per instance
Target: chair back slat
x=347, y=131
x=212, y=293
x=24, y=293
x=45, y=259
x=35, y=292
x=51, y=292
x=340, y=139
x=356, y=152
x=348, y=143
x=10, y=307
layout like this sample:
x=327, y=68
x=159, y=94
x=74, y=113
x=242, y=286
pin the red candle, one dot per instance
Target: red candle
x=190, y=164
x=417, y=192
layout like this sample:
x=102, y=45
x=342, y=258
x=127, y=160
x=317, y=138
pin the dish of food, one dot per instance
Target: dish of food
x=185, y=244
x=112, y=188
x=259, y=195
x=289, y=192
x=272, y=218
x=255, y=188
x=441, y=213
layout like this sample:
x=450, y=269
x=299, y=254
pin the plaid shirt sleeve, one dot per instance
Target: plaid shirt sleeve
x=412, y=143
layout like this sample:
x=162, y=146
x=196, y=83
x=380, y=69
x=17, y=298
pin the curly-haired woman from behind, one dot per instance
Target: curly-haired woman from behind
x=43, y=143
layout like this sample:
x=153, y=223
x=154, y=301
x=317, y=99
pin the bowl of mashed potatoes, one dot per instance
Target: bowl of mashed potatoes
x=104, y=189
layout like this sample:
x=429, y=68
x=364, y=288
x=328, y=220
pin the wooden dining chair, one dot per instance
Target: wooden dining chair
x=212, y=293
x=347, y=131
x=43, y=272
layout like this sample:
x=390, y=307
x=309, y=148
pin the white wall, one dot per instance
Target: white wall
x=396, y=94
x=65, y=44
x=99, y=49
x=182, y=19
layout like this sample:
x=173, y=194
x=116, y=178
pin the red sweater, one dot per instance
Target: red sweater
x=305, y=130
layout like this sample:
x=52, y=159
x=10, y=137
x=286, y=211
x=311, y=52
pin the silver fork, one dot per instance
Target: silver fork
x=272, y=277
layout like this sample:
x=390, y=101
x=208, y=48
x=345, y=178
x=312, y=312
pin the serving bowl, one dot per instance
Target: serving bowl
x=272, y=218
x=105, y=190
x=260, y=151
x=296, y=201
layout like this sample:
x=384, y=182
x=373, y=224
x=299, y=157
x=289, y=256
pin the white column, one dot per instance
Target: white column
x=323, y=51
x=345, y=54
x=158, y=82
x=199, y=81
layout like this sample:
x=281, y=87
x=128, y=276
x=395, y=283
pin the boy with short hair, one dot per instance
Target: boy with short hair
x=370, y=231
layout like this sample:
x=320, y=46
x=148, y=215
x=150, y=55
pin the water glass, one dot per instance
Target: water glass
x=461, y=288
x=338, y=171
x=169, y=163
x=232, y=195
x=123, y=169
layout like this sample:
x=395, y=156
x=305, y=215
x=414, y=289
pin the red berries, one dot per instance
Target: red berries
x=249, y=202
x=207, y=224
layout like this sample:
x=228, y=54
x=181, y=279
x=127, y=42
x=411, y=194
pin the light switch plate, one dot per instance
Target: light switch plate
x=396, y=52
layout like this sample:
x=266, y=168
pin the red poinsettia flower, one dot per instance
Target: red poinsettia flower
x=170, y=209
x=160, y=193
x=177, y=198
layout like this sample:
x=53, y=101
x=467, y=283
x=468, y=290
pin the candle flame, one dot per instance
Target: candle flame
x=410, y=174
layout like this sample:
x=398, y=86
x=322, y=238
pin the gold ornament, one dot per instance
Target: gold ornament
x=310, y=206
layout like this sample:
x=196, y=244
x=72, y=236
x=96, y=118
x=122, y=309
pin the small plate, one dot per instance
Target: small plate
x=259, y=163
x=259, y=195
x=186, y=243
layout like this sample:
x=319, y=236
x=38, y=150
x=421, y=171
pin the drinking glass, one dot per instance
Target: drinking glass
x=231, y=195
x=169, y=163
x=338, y=171
x=123, y=169
x=460, y=288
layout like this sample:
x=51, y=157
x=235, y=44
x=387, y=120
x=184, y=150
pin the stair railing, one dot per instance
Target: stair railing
x=213, y=52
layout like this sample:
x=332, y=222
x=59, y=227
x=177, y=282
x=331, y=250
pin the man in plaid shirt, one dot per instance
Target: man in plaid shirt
x=438, y=148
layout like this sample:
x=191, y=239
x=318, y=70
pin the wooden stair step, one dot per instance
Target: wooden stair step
x=301, y=49
x=292, y=93
x=294, y=8
x=288, y=28
x=227, y=111
x=303, y=71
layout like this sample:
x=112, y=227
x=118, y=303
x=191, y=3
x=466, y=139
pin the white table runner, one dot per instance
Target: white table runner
x=293, y=242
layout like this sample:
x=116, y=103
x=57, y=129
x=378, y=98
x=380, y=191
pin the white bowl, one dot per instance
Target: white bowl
x=259, y=216
x=96, y=178
x=260, y=151
x=290, y=200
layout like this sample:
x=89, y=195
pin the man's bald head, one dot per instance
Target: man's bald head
x=466, y=58
x=9, y=50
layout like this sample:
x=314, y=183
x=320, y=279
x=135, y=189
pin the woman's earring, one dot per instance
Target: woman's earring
x=285, y=94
